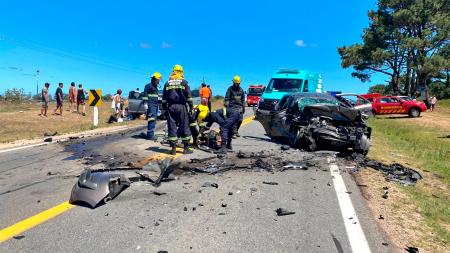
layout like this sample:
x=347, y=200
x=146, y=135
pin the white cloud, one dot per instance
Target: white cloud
x=145, y=45
x=300, y=43
x=165, y=45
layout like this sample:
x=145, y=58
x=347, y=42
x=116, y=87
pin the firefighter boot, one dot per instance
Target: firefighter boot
x=186, y=149
x=173, y=145
x=229, y=146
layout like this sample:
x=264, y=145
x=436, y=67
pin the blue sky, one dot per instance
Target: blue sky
x=118, y=44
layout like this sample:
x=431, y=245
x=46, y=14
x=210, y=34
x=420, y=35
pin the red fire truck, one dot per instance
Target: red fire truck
x=254, y=93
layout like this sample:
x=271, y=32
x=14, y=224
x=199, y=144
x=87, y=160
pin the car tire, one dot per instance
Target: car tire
x=414, y=112
x=295, y=138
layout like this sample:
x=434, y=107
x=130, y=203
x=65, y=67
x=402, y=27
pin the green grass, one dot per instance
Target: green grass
x=443, y=103
x=423, y=148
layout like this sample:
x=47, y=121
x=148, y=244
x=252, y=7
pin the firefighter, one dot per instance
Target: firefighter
x=151, y=98
x=195, y=126
x=226, y=119
x=177, y=99
x=235, y=101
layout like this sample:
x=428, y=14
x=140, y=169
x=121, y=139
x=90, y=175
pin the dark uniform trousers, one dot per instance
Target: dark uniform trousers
x=226, y=123
x=178, y=123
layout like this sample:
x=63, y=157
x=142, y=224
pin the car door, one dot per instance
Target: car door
x=388, y=105
x=281, y=120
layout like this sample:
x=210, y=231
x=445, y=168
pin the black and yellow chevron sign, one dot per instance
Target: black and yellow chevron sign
x=95, y=98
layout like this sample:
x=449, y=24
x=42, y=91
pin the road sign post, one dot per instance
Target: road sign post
x=95, y=100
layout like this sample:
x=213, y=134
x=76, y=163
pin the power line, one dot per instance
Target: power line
x=60, y=53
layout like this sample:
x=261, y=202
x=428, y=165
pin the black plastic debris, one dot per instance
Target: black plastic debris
x=224, y=205
x=392, y=172
x=19, y=237
x=282, y=212
x=158, y=193
x=209, y=184
x=410, y=249
x=48, y=139
x=385, y=194
x=270, y=183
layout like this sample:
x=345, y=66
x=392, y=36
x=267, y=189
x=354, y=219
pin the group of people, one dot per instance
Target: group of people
x=76, y=99
x=186, y=122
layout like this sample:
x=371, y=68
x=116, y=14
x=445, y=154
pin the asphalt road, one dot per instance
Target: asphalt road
x=188, y=217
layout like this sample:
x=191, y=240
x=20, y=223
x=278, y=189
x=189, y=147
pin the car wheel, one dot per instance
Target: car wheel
x=414, y=113
x=295, y=137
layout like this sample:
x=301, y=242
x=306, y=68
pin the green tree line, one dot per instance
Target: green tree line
x=407, y=41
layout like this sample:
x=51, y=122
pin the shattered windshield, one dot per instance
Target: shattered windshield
x=277, y=84
x=302, y=102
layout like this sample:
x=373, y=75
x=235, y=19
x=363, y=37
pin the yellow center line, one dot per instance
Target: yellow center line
x=33, y=221
x=28, y=223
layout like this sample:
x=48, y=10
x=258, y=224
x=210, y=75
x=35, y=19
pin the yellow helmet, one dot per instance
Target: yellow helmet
x=157, y=75
x=202, y=112
x=237, y=79
x=178, y=67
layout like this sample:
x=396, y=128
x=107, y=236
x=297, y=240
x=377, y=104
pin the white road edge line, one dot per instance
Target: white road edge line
x=355, y=233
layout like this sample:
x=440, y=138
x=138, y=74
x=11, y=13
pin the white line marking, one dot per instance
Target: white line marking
x=24, y=147
x=355, y=234
x=67, y=138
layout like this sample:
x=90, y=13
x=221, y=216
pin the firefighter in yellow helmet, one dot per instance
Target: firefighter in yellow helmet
x=151, y=98
x=235, y=101
x=177, y=99
x=226, y=119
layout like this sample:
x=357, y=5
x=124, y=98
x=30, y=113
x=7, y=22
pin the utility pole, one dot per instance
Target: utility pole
x=37, y=82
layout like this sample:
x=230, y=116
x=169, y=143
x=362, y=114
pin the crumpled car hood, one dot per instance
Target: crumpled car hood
x=334, y=112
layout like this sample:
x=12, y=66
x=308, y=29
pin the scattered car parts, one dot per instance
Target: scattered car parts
x=94, y=188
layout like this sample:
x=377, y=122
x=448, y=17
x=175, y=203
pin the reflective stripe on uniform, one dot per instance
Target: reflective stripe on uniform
x=172, y=138
x=152, y=95
x=189, y=99
x=193, y=124
x=172, y=87
x=187, y=138
x=202, y=124
x=224, y=113
x=151, y=119
x=144, y=98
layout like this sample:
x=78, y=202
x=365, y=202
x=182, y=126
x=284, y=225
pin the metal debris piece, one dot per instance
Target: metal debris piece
x=294, y=167
x=282, y=212
x=285, y=147
x=209, y=184
x=93, y=188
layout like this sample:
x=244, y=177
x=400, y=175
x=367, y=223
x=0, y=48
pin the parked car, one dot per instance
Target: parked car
x=356, y=101
x=254, y=93
x=136, y=105
x=395, y=105
x=286, y=82
x=316, y=121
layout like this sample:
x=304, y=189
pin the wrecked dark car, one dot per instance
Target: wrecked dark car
x=316, y=121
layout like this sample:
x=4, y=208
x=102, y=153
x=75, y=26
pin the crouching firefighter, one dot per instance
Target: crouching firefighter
x=151, y=98
x=195, y=126
x=177, y=100
x=226, y=119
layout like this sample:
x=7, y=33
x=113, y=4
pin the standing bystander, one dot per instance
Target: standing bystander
x=210, y=97
x=59, y=100
x=72, y=97
x=81, y=99
x=44, y=100
x=433, y=102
